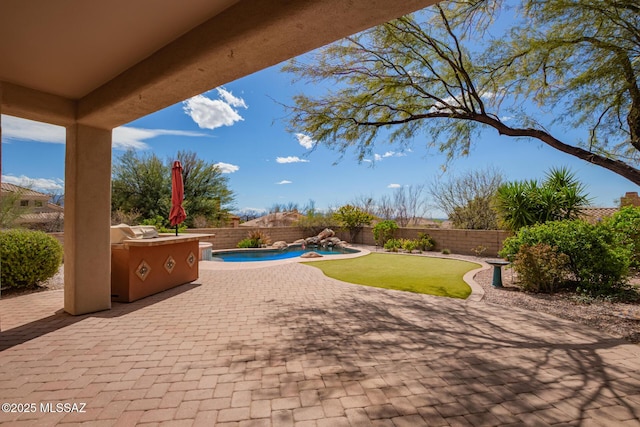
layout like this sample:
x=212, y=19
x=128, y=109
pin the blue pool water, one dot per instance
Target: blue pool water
x=276, y=254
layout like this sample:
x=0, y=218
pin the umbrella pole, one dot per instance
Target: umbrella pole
x=176, y=229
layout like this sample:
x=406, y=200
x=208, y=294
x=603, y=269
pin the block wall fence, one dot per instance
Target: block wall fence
x=457, y=241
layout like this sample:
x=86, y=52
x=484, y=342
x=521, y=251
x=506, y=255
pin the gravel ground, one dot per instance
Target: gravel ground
x=618, y=319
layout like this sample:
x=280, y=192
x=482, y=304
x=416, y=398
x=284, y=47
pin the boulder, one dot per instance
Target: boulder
x=326, y=233
x=313, y=241
x=281, y=244
x=333, y=241
x=311, y=255
x=300, y=241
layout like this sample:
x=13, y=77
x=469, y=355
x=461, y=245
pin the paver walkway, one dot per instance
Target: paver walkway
x=284, y=345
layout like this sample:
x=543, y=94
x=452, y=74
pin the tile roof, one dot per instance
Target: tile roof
x=597, y=214
x=12, y=188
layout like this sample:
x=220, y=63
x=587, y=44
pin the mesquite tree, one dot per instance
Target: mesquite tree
x=440, y=71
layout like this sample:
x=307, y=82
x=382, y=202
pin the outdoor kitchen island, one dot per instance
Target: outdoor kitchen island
x=145, y=266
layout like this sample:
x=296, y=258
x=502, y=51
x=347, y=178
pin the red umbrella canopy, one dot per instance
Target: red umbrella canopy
x=177, y=214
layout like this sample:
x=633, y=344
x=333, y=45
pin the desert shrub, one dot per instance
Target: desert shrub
x=626, y=223
x=28, y=257
x=479, y=250
x=425, y=242
x=384, y=230
x=249, y=243
x=260, y=236
x=446, y=251
x=598, y=261
x=393, y=245
x=541, y=268
x=409, y=245
x=255, y=239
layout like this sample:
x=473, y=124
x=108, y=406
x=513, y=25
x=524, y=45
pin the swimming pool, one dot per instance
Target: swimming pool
x=276, y=254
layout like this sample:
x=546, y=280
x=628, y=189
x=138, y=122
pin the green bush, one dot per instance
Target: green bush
x=409, y=245
x=383, y=231
x=425, y=242
x=353, y=219
x=626, y=223
x=249, y=243
x=541, y=268
x=28, y=257
x=393, y=245
x=598, y=261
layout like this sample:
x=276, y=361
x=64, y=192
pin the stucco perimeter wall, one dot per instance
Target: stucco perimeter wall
x=457, y=241
x=228, y=238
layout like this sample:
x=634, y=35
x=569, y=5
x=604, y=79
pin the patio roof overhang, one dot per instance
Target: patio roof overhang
x=104, y=64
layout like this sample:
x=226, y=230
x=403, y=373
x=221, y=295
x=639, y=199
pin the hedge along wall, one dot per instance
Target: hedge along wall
x=457, y=241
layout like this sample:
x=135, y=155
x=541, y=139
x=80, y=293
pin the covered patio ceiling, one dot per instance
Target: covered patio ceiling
x=92, y=65
x=106, y=63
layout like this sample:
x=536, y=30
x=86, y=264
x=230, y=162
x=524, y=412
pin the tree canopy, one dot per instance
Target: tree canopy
x=443, y=72
x=142, y=184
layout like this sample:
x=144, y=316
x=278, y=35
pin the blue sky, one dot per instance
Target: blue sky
x=241, y=127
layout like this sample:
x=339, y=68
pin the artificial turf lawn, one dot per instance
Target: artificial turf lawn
x=424, y=275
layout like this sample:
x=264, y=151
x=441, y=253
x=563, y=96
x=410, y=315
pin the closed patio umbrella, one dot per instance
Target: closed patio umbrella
x=177, y=214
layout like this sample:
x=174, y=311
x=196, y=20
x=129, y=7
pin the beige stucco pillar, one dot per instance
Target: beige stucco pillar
x=0, y=153
x=87, y=211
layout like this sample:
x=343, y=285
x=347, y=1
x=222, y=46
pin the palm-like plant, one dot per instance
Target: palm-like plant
x=523, y=203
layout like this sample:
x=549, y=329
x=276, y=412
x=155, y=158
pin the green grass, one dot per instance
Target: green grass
x=424, y=275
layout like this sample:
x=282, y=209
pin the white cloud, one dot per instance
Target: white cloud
x=38, y=184
x=213, y=113
x=230, y=99
x=393, y=154
x=394, y=186
x=284, y=181
x=123, y=137
x=379, y=157
x=291, y=159
x=506, y=118
x=28, y=130
x=305, y=140
x=227, y=167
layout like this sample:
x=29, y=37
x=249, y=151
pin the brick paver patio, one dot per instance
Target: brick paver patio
x=284, y=345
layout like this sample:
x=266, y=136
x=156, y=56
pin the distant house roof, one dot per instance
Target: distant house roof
x=278, y=219
x=594, y=215
x=31, y=218
x=12, y=188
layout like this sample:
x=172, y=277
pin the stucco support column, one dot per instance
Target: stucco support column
x=87, y=212
x=0, y=152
